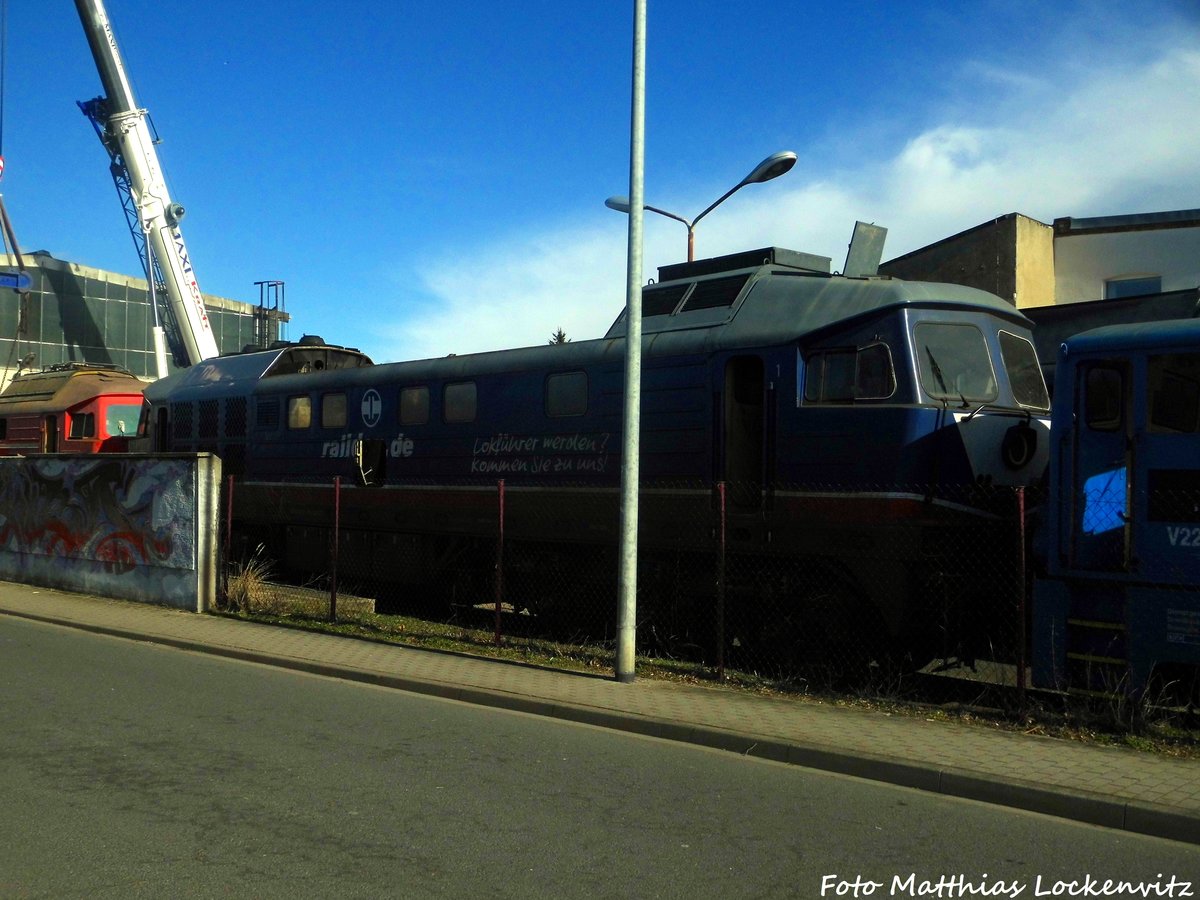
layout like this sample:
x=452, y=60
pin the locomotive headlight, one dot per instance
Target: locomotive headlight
x=1019, y=446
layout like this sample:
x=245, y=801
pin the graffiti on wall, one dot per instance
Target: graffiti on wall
x=102, y=520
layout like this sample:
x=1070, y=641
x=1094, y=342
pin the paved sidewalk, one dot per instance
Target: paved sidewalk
x=1106, y=786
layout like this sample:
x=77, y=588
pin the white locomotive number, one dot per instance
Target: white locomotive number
x=1180, y=536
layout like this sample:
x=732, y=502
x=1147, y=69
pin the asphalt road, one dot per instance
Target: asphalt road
x=131, y=770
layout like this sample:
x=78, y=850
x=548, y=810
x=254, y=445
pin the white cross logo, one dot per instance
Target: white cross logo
x=372, y=406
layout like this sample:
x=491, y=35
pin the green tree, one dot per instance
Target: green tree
x=559, y=337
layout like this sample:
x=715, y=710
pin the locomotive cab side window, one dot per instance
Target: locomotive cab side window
x=1024, y=372
x=1173, y=384
x=566, y=394
x=333, y=410
x=850, y=373
x=954, y=363
x=299, y=412
x=83, y=425
x=458, y=402
x=414, y=405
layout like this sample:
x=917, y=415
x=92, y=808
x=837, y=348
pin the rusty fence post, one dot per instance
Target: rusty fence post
x=1021, y=595
x=721, y=580
x=499, y=580
x=227, y=544
x=335, y=543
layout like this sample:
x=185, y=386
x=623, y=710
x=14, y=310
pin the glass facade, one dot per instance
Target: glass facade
x=75, y=314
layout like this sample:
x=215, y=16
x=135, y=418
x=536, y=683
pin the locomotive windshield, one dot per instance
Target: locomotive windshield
x=954, y=363
x=122, y=418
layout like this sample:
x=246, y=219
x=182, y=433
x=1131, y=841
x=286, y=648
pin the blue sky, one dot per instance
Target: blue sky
x=429, y=178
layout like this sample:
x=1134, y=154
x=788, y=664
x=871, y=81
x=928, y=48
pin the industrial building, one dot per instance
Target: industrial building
x=1032, y=264
x=74, y=313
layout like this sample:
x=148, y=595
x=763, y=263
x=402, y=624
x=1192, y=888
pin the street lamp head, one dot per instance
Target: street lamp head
x=772, y=167
x=620, y=204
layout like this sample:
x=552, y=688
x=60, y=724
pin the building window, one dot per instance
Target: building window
x=299, y=412
x=458, y=402
x=566, y=394
x=333, y=411
x=414, y=405
x=1116, y=288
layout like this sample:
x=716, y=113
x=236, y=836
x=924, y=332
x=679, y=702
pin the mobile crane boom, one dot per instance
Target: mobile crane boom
x=125, y=131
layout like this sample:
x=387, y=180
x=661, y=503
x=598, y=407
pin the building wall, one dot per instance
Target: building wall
x=1035, y=263
x=1083, y=262
x=79, y=314
x=983, y=257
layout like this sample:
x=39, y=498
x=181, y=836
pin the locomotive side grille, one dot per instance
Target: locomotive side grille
x=181, y=421
x=716, y=293
x=208, y=418
x=661, y=301
x=235, y=417
x=267, y=414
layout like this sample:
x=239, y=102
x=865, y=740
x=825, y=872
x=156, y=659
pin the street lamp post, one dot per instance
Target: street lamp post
x=631, y=423
x=772, y=167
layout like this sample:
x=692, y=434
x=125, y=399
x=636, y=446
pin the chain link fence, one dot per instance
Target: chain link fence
x=819, y=585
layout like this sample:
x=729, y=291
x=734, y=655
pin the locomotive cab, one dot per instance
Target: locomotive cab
x=71, y=408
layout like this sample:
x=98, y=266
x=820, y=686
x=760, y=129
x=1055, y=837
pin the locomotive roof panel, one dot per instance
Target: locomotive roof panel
x=65, y=387
x=238, y=372
x=768, y=302
x=1148, y=335
x=748, y=307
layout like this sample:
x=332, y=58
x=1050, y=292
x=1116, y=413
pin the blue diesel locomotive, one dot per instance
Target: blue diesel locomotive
x=1118, y=597
x=844, y=413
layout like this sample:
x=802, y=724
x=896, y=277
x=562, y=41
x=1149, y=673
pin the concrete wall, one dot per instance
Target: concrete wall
x=132, y=527
x=1083, y=262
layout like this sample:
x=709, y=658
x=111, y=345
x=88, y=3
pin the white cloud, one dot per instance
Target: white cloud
x=1115, y=139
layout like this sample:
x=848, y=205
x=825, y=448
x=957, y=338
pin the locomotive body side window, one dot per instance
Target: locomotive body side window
x=3, y=429
x=414, y=405
x=458, y=402
x=954, y=362
x=1024, y=372
x=566, y=394
x=847, y=374
x=299, y=412
x=333, y=410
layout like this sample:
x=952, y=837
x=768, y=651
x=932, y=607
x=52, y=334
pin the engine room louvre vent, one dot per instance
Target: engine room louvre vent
x=208, y=418
x=267, y=414
x=716, y=293
x=661, y=301
x=181, y=421
x=235, y=417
